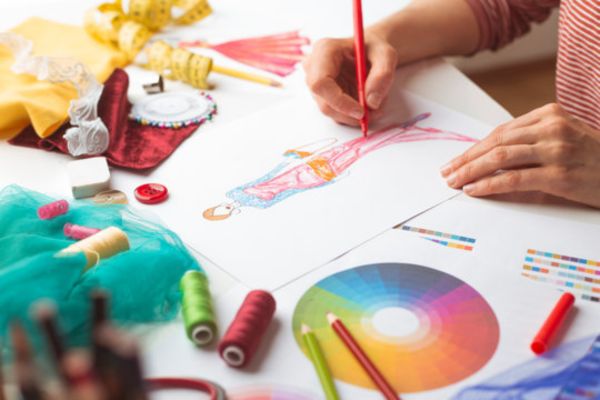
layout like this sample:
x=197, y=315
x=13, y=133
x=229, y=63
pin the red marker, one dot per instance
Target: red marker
x=361, y=64
x=540, y=342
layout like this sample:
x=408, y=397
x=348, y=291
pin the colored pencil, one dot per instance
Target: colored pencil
x=346, y=337
x=109, y=365
x=245, y=75
x=45, y=314
x=119, y=367
x=131, y=369
x=361, y=64
x=100, y=312
x=316, y=356
x=25, y=372
x=100, y=318
x=2, y=393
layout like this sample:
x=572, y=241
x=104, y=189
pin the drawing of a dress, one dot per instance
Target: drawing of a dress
x=305, y=169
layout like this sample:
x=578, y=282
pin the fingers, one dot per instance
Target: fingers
x=543, y=138
x=25, y=371
x=384, y=60
x=45, y=314
x=329, y=91
x=118, y=364
x=335, y=115
x=523, y=180
x=323, y=67
x=526, y=129
x=330, y=68
x=501, y=136
x=342, y=118
x=521, y=130
x=499, y=158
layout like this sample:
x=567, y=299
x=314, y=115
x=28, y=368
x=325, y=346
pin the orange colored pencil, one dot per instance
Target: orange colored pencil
x=365, y=362
x=361, y=64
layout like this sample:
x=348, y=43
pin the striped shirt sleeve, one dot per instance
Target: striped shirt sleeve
x=502, y=21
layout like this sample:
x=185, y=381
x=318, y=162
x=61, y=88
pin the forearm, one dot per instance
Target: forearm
x=428, y=28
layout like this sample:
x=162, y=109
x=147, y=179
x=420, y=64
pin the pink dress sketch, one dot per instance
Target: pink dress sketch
x=305, y=169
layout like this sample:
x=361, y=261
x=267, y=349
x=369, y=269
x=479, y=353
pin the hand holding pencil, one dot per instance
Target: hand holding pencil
x=331, y=76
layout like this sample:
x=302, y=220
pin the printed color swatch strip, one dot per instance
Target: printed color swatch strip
x=575, y=274
x=442, y=238
x=449, y=244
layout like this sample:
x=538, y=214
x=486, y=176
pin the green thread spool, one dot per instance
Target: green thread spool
x=196, y=307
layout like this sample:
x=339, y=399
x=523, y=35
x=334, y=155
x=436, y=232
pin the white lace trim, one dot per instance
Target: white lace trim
x=89, y=135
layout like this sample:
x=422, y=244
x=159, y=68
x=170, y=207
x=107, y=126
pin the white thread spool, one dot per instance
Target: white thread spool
x=104, y=244
x=202, y=335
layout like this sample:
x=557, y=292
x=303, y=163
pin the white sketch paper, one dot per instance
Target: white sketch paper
x=273, y=196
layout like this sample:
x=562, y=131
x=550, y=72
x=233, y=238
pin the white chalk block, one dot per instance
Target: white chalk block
x=88, y=176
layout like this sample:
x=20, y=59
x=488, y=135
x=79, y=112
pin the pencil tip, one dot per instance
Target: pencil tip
x=305, y=329
x=276, y=84
x=331, y=317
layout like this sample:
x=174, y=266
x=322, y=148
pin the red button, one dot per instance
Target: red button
x=151, y=193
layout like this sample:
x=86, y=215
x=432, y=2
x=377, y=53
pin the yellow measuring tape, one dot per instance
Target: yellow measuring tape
x=131, y=30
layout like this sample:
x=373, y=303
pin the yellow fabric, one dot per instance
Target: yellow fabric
x=24, y=100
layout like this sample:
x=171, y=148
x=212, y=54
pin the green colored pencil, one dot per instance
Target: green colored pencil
x=310, y=340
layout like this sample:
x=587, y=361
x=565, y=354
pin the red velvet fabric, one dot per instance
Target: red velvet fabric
x=132, y=145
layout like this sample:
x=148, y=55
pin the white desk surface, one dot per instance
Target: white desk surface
x=433, y=79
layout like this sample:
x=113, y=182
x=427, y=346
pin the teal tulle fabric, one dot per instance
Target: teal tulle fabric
x=143, y=281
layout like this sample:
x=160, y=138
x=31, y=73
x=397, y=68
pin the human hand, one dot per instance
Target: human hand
x=331, y=76
x=545, y=150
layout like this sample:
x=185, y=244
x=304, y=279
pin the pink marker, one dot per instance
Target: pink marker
x=78, y=232
x=53, y=210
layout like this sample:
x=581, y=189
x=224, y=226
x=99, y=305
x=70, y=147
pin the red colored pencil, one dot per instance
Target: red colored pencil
x=361, y=64
x=344, y=334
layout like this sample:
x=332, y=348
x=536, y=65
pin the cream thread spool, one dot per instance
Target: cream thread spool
x=104, y=244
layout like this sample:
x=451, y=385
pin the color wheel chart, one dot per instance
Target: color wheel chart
x=444, y=239
x=423, y=328
x=578, y=275
x=267, y=393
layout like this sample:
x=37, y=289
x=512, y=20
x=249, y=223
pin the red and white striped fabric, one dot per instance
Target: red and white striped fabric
x=578, y=63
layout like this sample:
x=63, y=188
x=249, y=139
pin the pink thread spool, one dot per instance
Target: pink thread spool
x=78, y=232
x=53, y=210
x=243, y=336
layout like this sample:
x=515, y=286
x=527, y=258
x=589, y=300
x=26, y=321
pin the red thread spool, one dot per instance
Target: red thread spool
x=53, y=210
x=540, y=342
x=78, y=232
x=244, y=334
